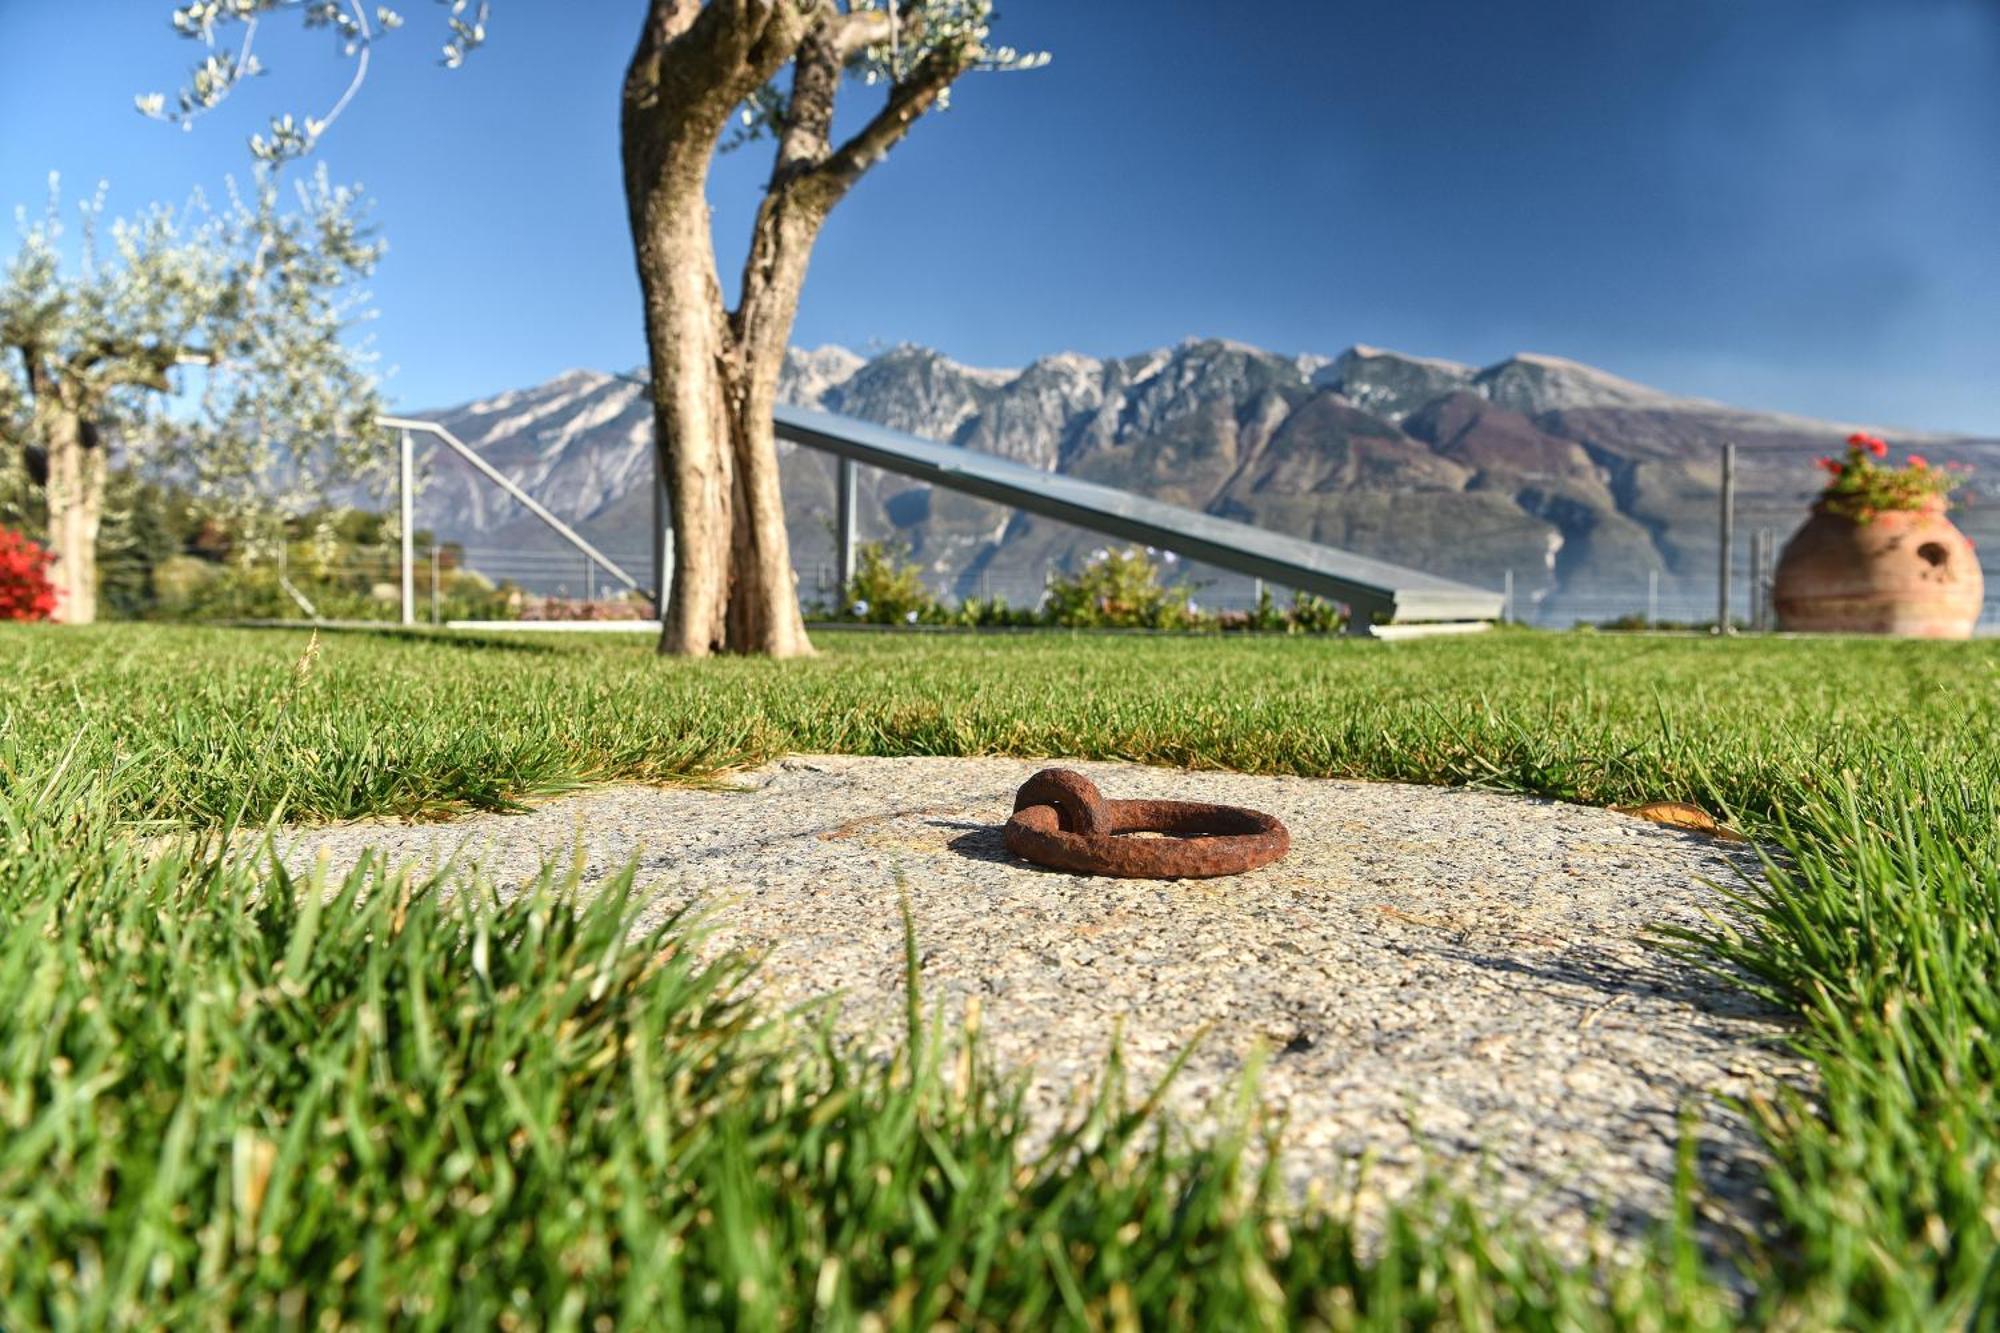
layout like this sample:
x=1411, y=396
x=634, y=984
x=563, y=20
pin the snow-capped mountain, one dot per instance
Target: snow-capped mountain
x=1581, y=483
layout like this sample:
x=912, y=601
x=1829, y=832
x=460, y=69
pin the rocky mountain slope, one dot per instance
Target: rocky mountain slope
x=1582, y=484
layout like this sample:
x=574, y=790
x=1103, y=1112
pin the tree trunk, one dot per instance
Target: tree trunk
x=75, y=494
x=808, y=179
x=715, y=377
x=694, y=64
x=764, y=614
x=690, y=419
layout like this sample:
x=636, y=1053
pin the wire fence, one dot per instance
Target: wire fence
x=358, y=583
x=453, y=582
x=506, y=572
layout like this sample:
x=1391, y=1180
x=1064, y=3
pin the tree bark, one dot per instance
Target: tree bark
x=764, y=613
x=808, y=178
x=690, y=425
x=764, y=604
x=75, y=494
x=694, y=64
x=715, y=376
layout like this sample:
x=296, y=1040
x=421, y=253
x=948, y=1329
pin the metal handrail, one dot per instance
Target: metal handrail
x=528, y=502
x=1383, y=597
x=1378, y=592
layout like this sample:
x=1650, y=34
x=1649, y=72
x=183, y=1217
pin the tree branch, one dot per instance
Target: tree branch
x=804, y=140
x=140, y=365
x=667, y=21
x=695, y=62
x=908, y=100
x=858, y=30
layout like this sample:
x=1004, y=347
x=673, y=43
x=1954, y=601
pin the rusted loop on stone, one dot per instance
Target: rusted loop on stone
x=1061, y=821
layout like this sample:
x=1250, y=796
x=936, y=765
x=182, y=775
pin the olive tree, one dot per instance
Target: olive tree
x=209, y=342
x=705, y=74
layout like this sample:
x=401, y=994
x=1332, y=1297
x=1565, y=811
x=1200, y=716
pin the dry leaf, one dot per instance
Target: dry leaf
x=1680, y=815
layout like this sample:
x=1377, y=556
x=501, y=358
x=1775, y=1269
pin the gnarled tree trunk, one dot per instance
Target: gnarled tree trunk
x=693, y=65
x=690, y=425
x=75, y=493
x=764, y=605
x=714, y=378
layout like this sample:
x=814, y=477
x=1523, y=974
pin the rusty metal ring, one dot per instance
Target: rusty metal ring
x=1060, y=820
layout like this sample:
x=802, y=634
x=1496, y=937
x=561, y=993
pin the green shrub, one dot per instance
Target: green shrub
x=1315, y=615
x=886, y=588
x=1118, y=589
x=992, y=613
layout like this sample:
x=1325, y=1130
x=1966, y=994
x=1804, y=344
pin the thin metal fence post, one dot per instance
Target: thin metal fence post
x=1756, y=559
x=1728, y=527
x=408, y=471
x=843, y=525
x=1652, y=598
x=1765, y=558
x=1770, y=581
x=1760, y=580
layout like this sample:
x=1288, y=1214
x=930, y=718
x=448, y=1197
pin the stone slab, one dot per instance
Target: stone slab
x=1436, y=980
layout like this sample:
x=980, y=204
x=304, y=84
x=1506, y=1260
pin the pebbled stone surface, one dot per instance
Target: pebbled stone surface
x=1437, y=981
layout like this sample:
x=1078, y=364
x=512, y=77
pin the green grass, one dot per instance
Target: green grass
x=226, y=1100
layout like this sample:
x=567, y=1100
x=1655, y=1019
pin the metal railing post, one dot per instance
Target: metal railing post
x=407, y=487
x=843, y=525
x=1772, y=554
x=1728, y=528
x=1760, y=579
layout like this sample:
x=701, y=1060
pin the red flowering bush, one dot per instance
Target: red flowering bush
x=1860, y=486
x=25, y=590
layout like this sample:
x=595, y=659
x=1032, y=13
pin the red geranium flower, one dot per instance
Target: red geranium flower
x=1859, y=488
x=25, y=590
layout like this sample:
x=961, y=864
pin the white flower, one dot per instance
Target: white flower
x=1170, y=558
x=859, y=608
x=909, y=617
x=1099, y=556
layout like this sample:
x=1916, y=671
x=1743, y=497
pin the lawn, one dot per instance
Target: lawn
x=228, y=1098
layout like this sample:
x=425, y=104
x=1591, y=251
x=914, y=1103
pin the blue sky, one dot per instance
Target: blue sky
x=1789, y=204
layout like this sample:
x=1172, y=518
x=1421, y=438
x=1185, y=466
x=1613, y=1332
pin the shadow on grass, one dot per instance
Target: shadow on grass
x=505, y=642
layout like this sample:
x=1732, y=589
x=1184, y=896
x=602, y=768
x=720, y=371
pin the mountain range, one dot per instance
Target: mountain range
x=1585, y=486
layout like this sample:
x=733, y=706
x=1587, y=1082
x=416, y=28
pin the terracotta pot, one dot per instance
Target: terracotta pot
x=1904, y=572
